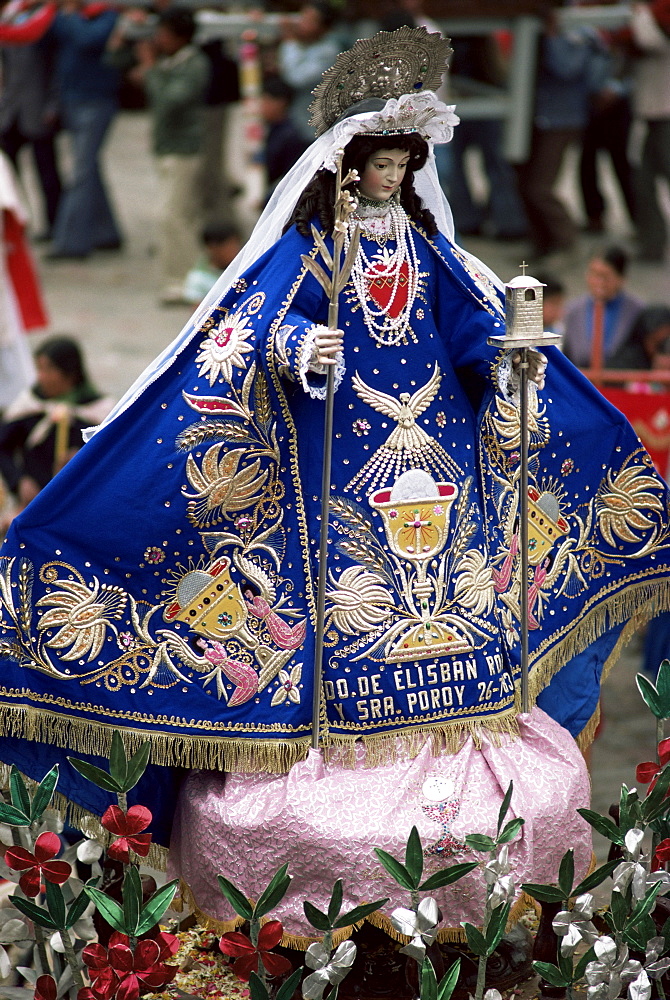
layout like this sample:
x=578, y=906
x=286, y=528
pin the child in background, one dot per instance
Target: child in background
x=222, y=243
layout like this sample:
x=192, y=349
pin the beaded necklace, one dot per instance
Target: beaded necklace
x=381, y=221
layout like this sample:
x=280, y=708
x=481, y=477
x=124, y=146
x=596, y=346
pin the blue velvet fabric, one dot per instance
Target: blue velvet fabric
x=164, y=583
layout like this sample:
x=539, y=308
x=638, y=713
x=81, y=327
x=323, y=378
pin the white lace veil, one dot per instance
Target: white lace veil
x=285, y=197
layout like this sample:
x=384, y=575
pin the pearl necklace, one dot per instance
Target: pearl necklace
x=386, y=330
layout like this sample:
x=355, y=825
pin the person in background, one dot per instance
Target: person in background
x=88, y=97
x=222, y=243
x=649, y=343
x=41, y=429
x=284, y=144
x=606, y=306
x=572, y=67
x=223, y=91
x=175, y=75
x=553, y=302
x=650, y=28
x=308, y=48
x=29, y=106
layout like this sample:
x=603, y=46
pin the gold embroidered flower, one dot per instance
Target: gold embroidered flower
x=474, y=583
x=359, y=601
x=219, y=487
x=621, y=501
x=288, y=686
x=224, y=347
x=82, y=615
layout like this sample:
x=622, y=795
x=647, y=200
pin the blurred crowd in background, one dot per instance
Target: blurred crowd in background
x=69, y=66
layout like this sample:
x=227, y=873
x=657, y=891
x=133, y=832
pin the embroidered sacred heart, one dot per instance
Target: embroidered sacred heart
x=381, y=288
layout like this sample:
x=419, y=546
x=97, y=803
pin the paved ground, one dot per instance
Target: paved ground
x=110, y=304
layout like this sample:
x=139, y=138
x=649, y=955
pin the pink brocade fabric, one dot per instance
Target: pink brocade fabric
x=325, y=820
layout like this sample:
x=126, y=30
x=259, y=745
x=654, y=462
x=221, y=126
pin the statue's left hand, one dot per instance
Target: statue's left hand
x=537, y=366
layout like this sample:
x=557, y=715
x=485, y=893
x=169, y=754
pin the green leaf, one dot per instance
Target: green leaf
x=56, y=904
x=156, y=906
x=596, y=877
x=335, y=904
x=237, y=899
x=663, y=686
x=480, y=842
x=448, y=875
x=108, y=908
x=428, y=980
x=257, y=988
x=566, y=873
x=550, y=973
x=358, y=913
x=543, y=893
x=645, y=905
x=77, y=906
x=43, y=794
x=504, y=807
x=33, y=911
x=316, y=917
x=510, y=831
x=414, y=858
x=650, y=696
x=476, y=940
x=333, y=993
x=448, y=981
x=132, y=897
x=655, y=803
x=396, y=870
x=565, y=965
x=287, y=989
x=137, y=765
x=95, y=775
x=665, y=934
x=19, y=792
x=618, y=911
x=638, y=936
x=118, y=763
x=274, y=892
x=580, y=968
x=12, y=816
x=603, y=825
x=496, y=927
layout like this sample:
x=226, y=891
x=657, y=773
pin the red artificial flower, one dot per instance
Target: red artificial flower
x=128, y=828
x=661, y=855
x=247, y=957
x=40, y=863
x=45, y=988
x=649, y=771
x=119, y=972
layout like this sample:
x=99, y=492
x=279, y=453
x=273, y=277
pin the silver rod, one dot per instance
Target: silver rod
x=523, y=526
x=323, y=555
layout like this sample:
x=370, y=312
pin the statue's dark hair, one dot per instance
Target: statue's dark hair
x=318, y=197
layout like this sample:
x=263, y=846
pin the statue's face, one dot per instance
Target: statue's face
x=383, y=173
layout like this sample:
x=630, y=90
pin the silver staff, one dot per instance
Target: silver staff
x=524, y=329
x=332, y=285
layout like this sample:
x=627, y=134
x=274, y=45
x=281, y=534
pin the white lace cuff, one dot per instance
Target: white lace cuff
x=307, y=365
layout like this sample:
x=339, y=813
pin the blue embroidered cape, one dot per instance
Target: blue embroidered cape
x=164, y=582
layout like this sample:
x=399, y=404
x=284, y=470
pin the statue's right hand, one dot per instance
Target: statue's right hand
x=328, y=344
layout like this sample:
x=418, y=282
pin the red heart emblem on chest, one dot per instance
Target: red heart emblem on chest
x=380, y=288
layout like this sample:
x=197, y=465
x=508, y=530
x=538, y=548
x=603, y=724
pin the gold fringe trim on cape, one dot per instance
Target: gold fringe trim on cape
x=587, y=735
x=449, y=737
x=84, y=821
x=635, y=607
x=638, y=605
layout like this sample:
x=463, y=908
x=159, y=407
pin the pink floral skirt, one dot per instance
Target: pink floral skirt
x=325, y=820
